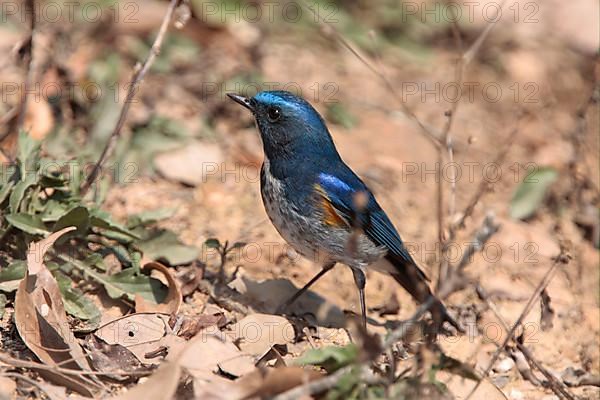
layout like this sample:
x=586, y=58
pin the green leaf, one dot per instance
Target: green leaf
x=102, y=220
x=78, y=216
x=2, y=304
x=165, y=245
x=11, y=276
x=27, y=223
x=6, y=189
x=340, y=115
x=212, y=243
x=75, y=301
x=53, y=210
x=149, y=217
x=19, y=191
x=531, y=192
x=27, y=152
x=331, y=358
x=125, y=283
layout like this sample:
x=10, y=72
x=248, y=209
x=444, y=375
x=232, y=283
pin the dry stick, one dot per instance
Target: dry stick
x=139, y=72
x=447, y=139
x=562, y=258
x=17, y=363
x=558, y=387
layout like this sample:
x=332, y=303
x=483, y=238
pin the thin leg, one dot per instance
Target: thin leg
x=323, y=271
x=360, y=280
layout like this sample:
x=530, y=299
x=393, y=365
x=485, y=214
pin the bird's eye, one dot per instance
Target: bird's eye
x=273, y=113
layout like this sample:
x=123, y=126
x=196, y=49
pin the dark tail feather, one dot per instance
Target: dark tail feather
x=414, y=281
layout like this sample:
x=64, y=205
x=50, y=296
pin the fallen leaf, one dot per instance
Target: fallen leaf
x=261, y=383
x=160, y=386
x=256, y=333
x=192, y=164
x=42, y=322
x=142, y=334
x=172, y=301
x=191, y=325
x=114, y=359
x=209, y=353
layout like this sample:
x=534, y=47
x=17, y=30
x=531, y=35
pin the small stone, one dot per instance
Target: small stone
x=504, y=365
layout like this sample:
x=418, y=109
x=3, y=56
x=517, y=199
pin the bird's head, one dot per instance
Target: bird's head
x=289, y=126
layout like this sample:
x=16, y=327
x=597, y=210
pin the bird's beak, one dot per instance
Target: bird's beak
x=241, y=100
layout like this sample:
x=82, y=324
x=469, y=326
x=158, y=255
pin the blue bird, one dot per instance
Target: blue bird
x=320, y=206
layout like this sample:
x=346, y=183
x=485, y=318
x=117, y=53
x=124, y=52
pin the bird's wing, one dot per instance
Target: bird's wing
x=339, y=200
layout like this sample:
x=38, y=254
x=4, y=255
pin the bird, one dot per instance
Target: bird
x=321, y=207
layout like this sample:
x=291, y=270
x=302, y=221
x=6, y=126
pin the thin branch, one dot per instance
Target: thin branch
x=562, y=258
x=139, y=72
x=472, y=51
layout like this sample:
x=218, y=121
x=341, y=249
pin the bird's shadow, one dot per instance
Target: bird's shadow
x=267, y=297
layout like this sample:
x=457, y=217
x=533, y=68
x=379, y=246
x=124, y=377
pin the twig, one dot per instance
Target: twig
x=139, y=72
x=17, y=363
x=561, y=259
x=470, y=54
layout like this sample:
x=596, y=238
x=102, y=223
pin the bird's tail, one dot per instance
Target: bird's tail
x=414, y=281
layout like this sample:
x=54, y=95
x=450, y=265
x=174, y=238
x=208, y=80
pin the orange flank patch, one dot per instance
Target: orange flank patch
x=330, y=215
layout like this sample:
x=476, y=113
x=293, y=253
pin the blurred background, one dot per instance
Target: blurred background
x=185, y=146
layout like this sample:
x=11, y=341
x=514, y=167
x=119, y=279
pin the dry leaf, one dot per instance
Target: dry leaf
x=42, y=322
x=173, y=300
x=191, y=325
x=114, y=359
x=257, y=333
x=207, y=353
x=160, y=386
x=143, y=334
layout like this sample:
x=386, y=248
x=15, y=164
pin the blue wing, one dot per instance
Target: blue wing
x=341, y=193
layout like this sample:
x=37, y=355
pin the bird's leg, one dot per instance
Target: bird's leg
x=360, y=280
x=300, y=292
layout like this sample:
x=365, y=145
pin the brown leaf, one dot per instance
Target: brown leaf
x=114, y=359
x=142, y=334
x=257, y=333
x=262, y=383
x=191, y=325
x=547, y=314
x=172, y=301
x=160, y=386
x=209, y=353
x=192, y=278
x=42, y=322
